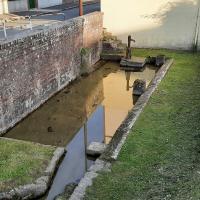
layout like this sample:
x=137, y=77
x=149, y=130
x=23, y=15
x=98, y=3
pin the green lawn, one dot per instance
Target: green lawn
x=22, y=162
x=161, y=157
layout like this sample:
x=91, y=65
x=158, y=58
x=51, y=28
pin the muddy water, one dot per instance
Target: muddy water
x=90, y=109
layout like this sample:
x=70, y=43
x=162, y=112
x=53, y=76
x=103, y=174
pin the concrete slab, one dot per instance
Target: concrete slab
x=135, y=63
x=96, y=149
x=112, y=56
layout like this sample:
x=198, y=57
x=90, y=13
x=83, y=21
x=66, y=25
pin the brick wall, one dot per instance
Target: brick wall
x=91, y=35
x=36, y=66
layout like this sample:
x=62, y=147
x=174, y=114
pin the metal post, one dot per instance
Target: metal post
x=128, y=50
x=128, y=76
x=196, y=38
x=104, y=124
x=4, y=29
x=80, y=7
x=86, y=143
x=30, y=23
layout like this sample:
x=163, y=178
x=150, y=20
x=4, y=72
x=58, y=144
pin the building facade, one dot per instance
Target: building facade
x=3, y=6
x=10, y=6
x=172, y=24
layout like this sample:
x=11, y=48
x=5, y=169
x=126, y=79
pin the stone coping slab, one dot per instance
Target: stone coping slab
x=96, y=148
x=113, y=149
x=40, y=186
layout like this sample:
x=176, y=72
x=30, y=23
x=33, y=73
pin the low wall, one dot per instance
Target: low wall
x=36, y=66
x=48, y=3
x=15, y=6
x=153, y=23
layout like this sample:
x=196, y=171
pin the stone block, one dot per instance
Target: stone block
x=96, y=149
x=134, y=64
x=116, y=57
x=139, y=87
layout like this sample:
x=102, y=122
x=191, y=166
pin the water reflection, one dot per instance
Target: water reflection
x=91, y=109
x=128, y=86
x=58, y=120
x=76, y=163
x=118, y=99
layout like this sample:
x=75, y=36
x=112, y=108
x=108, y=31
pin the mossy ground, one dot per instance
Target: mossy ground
x=161, y=156
x=22, y=162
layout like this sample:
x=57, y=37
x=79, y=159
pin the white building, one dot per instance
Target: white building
x=3, y=6
x=153, y=23
x=10, y=6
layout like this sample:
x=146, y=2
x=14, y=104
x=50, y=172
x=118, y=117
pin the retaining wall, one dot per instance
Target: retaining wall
x=36, y=66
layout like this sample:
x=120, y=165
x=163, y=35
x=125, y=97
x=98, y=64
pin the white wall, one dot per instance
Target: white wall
x=47, y=3
x=20, y=5
x=153, y=23
x=3, y=6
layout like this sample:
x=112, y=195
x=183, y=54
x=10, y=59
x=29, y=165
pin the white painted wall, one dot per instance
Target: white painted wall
x=47, y=3
x=20, y=5
x=3, y=6
x=153, y=23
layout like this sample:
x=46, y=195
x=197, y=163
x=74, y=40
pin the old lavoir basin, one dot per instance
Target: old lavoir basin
x=88, y=110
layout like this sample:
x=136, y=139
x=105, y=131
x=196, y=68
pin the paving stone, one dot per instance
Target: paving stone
x=96, y=148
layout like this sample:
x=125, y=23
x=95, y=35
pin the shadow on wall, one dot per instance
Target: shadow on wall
x=173, y=25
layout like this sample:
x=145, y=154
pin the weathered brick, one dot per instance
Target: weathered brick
x=36, y=65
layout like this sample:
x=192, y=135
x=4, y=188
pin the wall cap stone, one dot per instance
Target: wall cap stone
x=18, y=38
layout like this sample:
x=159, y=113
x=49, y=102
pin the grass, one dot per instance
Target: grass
x=22, y=162
x=161, y=157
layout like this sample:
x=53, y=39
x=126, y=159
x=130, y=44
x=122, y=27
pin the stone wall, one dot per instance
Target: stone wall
x=91, y=42
x=36, y=66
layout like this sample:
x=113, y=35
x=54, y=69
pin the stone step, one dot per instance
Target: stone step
x=135, y=64
x=113, y=51
x=112, y=56
x=96, y=149
x=108, y=35
x=114, y=47
x=117, y=42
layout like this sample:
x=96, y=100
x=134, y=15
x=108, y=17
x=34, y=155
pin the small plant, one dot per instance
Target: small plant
x=84, y=51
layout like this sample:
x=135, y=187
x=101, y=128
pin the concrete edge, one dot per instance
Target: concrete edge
x=86, y=181
x=140, y=105
x=114, y=148
x=40, y=186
